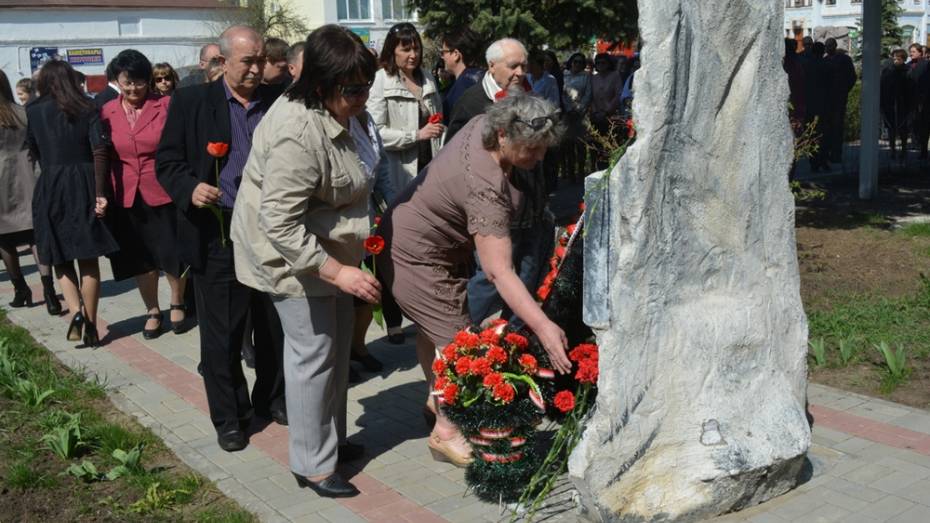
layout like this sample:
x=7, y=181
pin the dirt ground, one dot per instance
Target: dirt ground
x=851, y=249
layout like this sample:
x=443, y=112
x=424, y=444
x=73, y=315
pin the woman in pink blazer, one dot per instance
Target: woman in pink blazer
x=141, y=214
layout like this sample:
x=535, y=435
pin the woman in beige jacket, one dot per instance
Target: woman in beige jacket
x=403, y=98
x=299, y=224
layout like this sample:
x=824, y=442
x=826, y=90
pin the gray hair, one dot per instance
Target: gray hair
x=232, y=33
x=512, y=116
x=495, y=52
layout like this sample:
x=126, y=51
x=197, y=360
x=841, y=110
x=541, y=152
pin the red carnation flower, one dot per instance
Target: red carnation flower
x=553, y=274
x=439, y=367
x=564, y=401
x=489, y=336
x=517, y=340
x=504, y=392
x=377, y=220
x=496, y=355
x=500, y=95
x=374, y=244
x=529, y=364
x=435, y=118
x=570, y=229
x=449, y=393
x=449, y=353
x=563, y=240
x=492, y=380
x=543, y=292
x=467, y=340
x=497, y=322
x=217, y=149
x=582, y=352
x=560, y=251
x=480, y=367
x=462, y=365
x=440, y=383
x=587, y=372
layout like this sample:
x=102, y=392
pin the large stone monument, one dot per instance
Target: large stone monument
x=691, y=278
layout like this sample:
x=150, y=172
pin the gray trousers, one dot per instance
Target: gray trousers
x=317, y=340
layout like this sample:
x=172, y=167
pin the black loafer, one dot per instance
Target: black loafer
x=349, y=452
x=279, y=416
x=369, y=362
x=151, y=334
x=332, y=487
x=232, y=440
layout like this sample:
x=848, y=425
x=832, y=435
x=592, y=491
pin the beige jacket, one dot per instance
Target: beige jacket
x=395, y=111
x=303, y=198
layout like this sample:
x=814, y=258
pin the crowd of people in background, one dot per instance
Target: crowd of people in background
x=250, y=186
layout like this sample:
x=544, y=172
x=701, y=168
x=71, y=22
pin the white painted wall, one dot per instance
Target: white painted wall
x=163, y=35
x=321, y=12
x=845, y=13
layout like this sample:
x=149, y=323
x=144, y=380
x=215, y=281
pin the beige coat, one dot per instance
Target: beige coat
x=395, y=111
x=303, y=198
x=17, y=178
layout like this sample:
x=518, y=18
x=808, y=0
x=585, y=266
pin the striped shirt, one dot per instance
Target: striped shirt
x=242, y=123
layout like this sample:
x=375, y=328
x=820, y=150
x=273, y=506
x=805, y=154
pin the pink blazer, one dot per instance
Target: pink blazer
x=132, y=164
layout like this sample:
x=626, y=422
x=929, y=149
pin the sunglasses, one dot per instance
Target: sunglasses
x=160, y=79
x=355, y=90
x=540, y=123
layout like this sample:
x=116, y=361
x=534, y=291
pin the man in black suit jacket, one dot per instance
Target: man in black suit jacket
x=110, y=92
x=225, y=111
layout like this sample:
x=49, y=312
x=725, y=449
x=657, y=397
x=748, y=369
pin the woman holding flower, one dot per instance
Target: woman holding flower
x=461, y=203
x=303, y=212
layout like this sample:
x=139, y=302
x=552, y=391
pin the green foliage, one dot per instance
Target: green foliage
x=24, y=476
x=847, y=351
x=225, y=515
x=915, y=229
x=66, y=439
x=158, y=498
x=109, y=437
x=560, y=24
x=818, y=350
x=86, y=472
x=276, y=18
x=129, y=462
x=806, y=192
x=853, y=130
x=30, y=394
x=895, y=366
x=892, y=34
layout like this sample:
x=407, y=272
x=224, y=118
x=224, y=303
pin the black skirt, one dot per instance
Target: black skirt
x=147, y=237
x=15, y=239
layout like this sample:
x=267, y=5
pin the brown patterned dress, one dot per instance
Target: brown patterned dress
x=429, y=232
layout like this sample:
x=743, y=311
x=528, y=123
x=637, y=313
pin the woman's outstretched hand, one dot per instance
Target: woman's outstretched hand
x=553, y=340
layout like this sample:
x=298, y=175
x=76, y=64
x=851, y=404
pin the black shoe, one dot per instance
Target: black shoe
x=182, y=326
x=332, y=487
x=397, y=338
x=278, y=416
x=200, y=368
x=91, y=338
x=22, y=297
x=369, y=362
x=248, y=356
x=151, y=334
x=349, y=452
x=75, y=327
x=354, y=376
x=232, y=440
x=52, y=305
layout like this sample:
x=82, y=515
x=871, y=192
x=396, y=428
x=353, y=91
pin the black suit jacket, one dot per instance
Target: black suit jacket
x=473, y=102
x=198, y=114
x=105, y=96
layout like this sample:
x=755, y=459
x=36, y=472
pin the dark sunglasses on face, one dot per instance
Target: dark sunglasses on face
x=160, y=79
x=355, y=90
x=539, y=123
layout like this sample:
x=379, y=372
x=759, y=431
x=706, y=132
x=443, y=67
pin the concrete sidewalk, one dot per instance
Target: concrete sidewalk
x=870, y=458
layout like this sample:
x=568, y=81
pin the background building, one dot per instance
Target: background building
x=89, y=33
x=802, y=17
x=370, y=19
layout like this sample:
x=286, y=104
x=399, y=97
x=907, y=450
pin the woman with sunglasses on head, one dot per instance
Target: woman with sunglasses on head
x=462, y=203
x=142, y=218
x=65, y=135
x=164, y=79
x=299, y=223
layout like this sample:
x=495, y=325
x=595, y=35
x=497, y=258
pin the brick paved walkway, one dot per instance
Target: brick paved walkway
x=870, y=458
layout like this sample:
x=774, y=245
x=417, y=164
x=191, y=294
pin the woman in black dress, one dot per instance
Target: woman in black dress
x=64, y=134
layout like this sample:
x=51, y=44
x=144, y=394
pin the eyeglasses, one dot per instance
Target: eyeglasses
x=444, y=51
x=539, y=123
x=160, y=79
x=355, y=90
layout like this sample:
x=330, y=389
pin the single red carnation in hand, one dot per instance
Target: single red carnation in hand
x=462, y=365
x=439, y=367
x=517, y=340
x=217, y=149
x=528, y=362
x=492, y=380
x=490, y=336
x=564, y=401
x=435, y=118
x=374, y=244
x=496, y=355
x=504, y=392
x=467, y=340
x=480, y=367
x=449, y=393
x=587, y=372
x=449, y=353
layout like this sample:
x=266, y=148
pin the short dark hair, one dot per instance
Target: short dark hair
x=536, y=57
x=294, y=51
x=918, y=46
x=607, y=57
x=332, y=55
x=276, y=49
x=900, y=52
x=134, y=64
x=467, y=42
x=57, y=80
x=402, y=34
x=819, y=48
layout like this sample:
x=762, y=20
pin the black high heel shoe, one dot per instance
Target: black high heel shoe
x=52, y=305
x=91, y=338
x=75, y=327
x=22, y=297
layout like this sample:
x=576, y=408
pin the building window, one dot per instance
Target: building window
x=798, y=3
x=831, y=2
x=394, y=9
x=353, y=9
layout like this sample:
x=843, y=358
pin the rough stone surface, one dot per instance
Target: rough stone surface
x=703, y=372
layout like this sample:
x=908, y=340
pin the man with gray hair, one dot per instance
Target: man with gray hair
x=531, y=226
x=203, y=150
